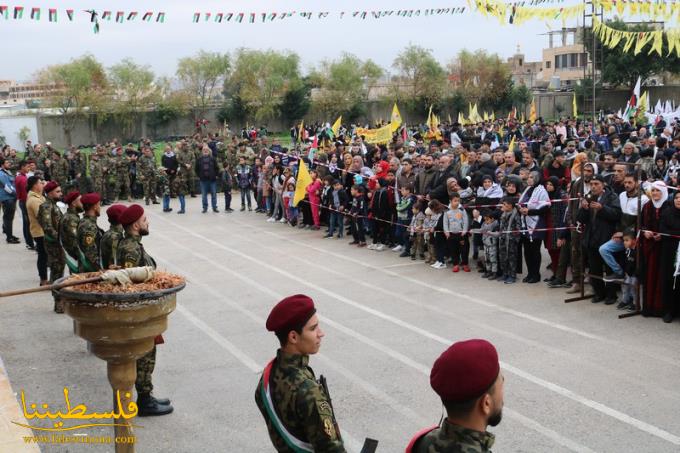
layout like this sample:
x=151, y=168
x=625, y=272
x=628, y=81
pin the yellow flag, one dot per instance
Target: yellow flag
x=301, y=129
x=573, y=107
x=303, y=180
x=511, y=146
x=532, y=112
x=336, y=126
x=486, y=116
x=461, y=118
x=522, y=119
x=395, y=120
x=493, y=116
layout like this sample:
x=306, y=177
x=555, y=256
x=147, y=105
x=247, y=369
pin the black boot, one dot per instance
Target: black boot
x=148, y=405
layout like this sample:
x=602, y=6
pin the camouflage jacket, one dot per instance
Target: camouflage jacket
x=69, y=236
x=89, y=237
x=450, y=438
x=146, y=166
x=59, y=171
x=96, y=168
x=109, y=245
x=184, y=159
x=131, y=253
x=301, y=404
x=163, y=182
x=49, y=217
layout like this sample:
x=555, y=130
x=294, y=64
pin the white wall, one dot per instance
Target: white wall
x=10, y=127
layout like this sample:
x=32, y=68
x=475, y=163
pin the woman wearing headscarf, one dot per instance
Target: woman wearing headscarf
x=555, y=222
x=514, y=186
x=579, y=160
x=670, y=259
x=650, y=248
x=534, y=205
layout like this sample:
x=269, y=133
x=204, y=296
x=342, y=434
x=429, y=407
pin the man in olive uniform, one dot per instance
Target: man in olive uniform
x=467, y=378
x=146, y=174
x=69, y=230
x=123, y=175
x=296, y=408
x=131, y=253
x=78, y=166
x=49, y=217
x=246, y=152
x=97, y=167
x=185, y=159
x=111, y=239
x=89, y=234
x=196, y=152
x=59, y=169
x=111, y=175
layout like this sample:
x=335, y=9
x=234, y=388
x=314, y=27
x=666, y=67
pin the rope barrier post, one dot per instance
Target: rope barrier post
x=638, y=304
x=583, y=295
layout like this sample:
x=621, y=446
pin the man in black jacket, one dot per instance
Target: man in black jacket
x=207, y=172
x=439, y=183
x=599, y=211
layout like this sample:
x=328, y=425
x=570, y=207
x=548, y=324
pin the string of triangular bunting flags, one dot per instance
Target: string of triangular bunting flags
x=637, y=41
x=53, y=14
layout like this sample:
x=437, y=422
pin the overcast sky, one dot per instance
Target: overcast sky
x=33, y=45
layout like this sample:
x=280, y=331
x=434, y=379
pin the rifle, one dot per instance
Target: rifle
x=370, y=445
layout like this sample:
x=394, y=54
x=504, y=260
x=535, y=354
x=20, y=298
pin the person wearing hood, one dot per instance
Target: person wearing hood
x=534, y=204
x=555, y=223
x=670, y=259
x=599, y=212
x=650, y=248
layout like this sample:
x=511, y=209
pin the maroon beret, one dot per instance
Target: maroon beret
x=50, y=186
x=71, y=197
x=291, y=312
x=130, y=215
x=114, y=211
x=90, y=198
x=465, y=370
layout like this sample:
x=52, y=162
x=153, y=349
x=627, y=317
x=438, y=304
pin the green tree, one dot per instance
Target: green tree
x=171, y=104
x=481, y=78
x=420, y=81
x=520, y=97
x=262, y=78
x=134, y=92
x=343, y=85
x=233, y=110
x=79, y=88
x=201, y=75
x=296, y=102
x=624, y=68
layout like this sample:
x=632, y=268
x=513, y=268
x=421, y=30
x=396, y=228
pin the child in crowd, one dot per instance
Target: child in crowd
x=456, y=226
x=277, y=182
x=477, y=243
x=404, y=215
x=326, y=201
x=437, y=233
x=288, y=196
x=508, y=241
x=245, y=180
x=489, y=234
x=427, y=236
x=416, y=233
x=314, y=193
x=227, y=182
x=357, y=213
x=381, y=214
x=338, y=204
x=630, y=271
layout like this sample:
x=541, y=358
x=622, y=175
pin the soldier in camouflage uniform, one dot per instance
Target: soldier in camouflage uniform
x=196, y=152
x=49, y=217
x=246, y=152
x=467, y=378
x=79, y=168
x=59, y=170
x=185, y=159
x=69, y=230
x=295, y=406
x=146, y=174
x=89, y=234
x=111, y=239
x=98, y=165
x=123, y=172
x=111, y=175
x=131, y=253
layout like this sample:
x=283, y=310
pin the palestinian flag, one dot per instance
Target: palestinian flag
x=197, y=17
x=252, y=18
x=207, y=16
x=35, y=13
x=132, y=15
x=53, y=14
x=239, y=17
x=120, y=16
x=147, y=16
x=18, y=12
x=219, y=17
x=106, y=15
x=4, y=12
x=160, y=17
x=229, y=16
x=69, y=13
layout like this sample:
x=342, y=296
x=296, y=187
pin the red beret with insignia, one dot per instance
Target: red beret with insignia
x=114, y=211
x=90, y=198
x=291, y=312
x=465, y=370
x=131, y=214
x=71, y=197
x=50, y=186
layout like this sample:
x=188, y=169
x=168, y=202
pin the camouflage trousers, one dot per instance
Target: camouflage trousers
x=149, y=184
x=145, y=366
x=55, y=260
x=418, y=245
x=491, y=255
x=119, y=188
x=179, y=185
x=507, y=253
x=98, y=184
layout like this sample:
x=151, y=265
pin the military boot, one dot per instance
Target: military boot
x=148, y=406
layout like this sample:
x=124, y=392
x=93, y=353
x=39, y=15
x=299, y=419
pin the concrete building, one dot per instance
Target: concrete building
x=13, y=92
x=527, y=73
x=565, y=58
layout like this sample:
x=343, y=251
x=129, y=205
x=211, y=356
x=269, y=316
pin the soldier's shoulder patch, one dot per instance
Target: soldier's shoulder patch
x=89, y=239
x=324, y=408
x=328, y=427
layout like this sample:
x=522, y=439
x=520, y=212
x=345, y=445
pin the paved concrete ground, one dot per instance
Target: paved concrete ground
x=577, y=378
